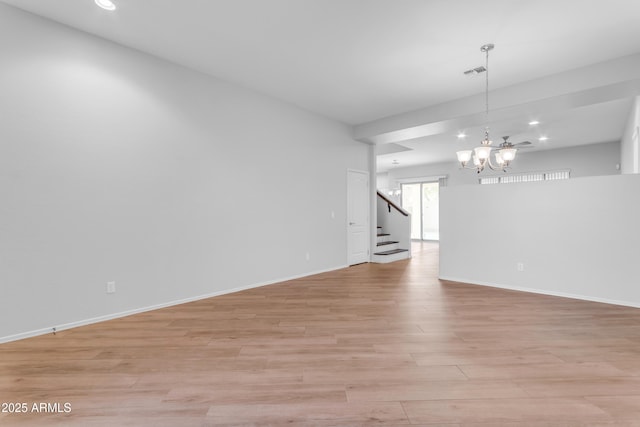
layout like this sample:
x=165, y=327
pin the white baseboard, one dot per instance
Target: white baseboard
x=84, y=322
x=544, y=292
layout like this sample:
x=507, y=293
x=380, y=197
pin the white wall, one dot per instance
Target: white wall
x=577, y=237
x=115, y=165
x=382, y=181
x=630, y=152
x=585, y=160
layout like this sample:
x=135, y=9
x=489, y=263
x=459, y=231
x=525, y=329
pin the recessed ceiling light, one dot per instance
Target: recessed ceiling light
x=461, y=135
x=543, y=138
x=106, y=4
x=534, y=122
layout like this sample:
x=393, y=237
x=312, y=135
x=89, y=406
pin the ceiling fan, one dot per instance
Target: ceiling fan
x=508, y=144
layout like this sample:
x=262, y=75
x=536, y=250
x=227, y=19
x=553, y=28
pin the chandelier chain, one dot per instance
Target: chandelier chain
x=486, y=91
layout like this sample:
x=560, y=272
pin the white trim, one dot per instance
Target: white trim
x=544, y=292
x=415, y=180
x=112, y=316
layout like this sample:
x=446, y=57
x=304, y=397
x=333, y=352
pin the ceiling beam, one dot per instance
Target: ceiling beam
x=598, y=83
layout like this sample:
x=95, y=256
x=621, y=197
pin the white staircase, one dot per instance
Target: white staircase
x=388, y=250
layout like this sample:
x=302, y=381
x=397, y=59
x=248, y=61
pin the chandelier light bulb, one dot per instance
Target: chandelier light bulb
x=483, y=152
x=464, y=156
x=508, y=154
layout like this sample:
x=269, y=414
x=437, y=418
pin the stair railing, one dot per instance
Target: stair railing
x=391, y=204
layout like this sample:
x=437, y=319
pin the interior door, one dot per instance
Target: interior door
x=636, y=154
x=358, y=228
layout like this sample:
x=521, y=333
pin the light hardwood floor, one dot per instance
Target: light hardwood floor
x=369, y=345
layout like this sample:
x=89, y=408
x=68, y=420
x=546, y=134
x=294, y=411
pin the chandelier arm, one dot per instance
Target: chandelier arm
x=502, y=168
x=468, y=167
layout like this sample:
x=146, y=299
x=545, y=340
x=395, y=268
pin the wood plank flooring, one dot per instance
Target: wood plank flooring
x=374, y=344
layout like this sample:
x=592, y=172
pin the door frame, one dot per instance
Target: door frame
x=367, y=226
x=422, y=180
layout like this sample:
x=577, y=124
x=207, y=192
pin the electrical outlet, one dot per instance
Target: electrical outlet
x=111, y=287
x=520, y=266
x=307, y=256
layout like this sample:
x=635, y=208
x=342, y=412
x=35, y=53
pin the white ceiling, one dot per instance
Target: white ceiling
x=357, y=61
x=591, y=124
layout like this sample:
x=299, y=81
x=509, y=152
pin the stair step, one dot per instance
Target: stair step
x=388, y=242
x=383, y=234
x=391, y=252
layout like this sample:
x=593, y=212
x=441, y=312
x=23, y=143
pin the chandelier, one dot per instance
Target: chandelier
x=482, y=155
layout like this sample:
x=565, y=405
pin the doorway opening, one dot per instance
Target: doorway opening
x=422, y=201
